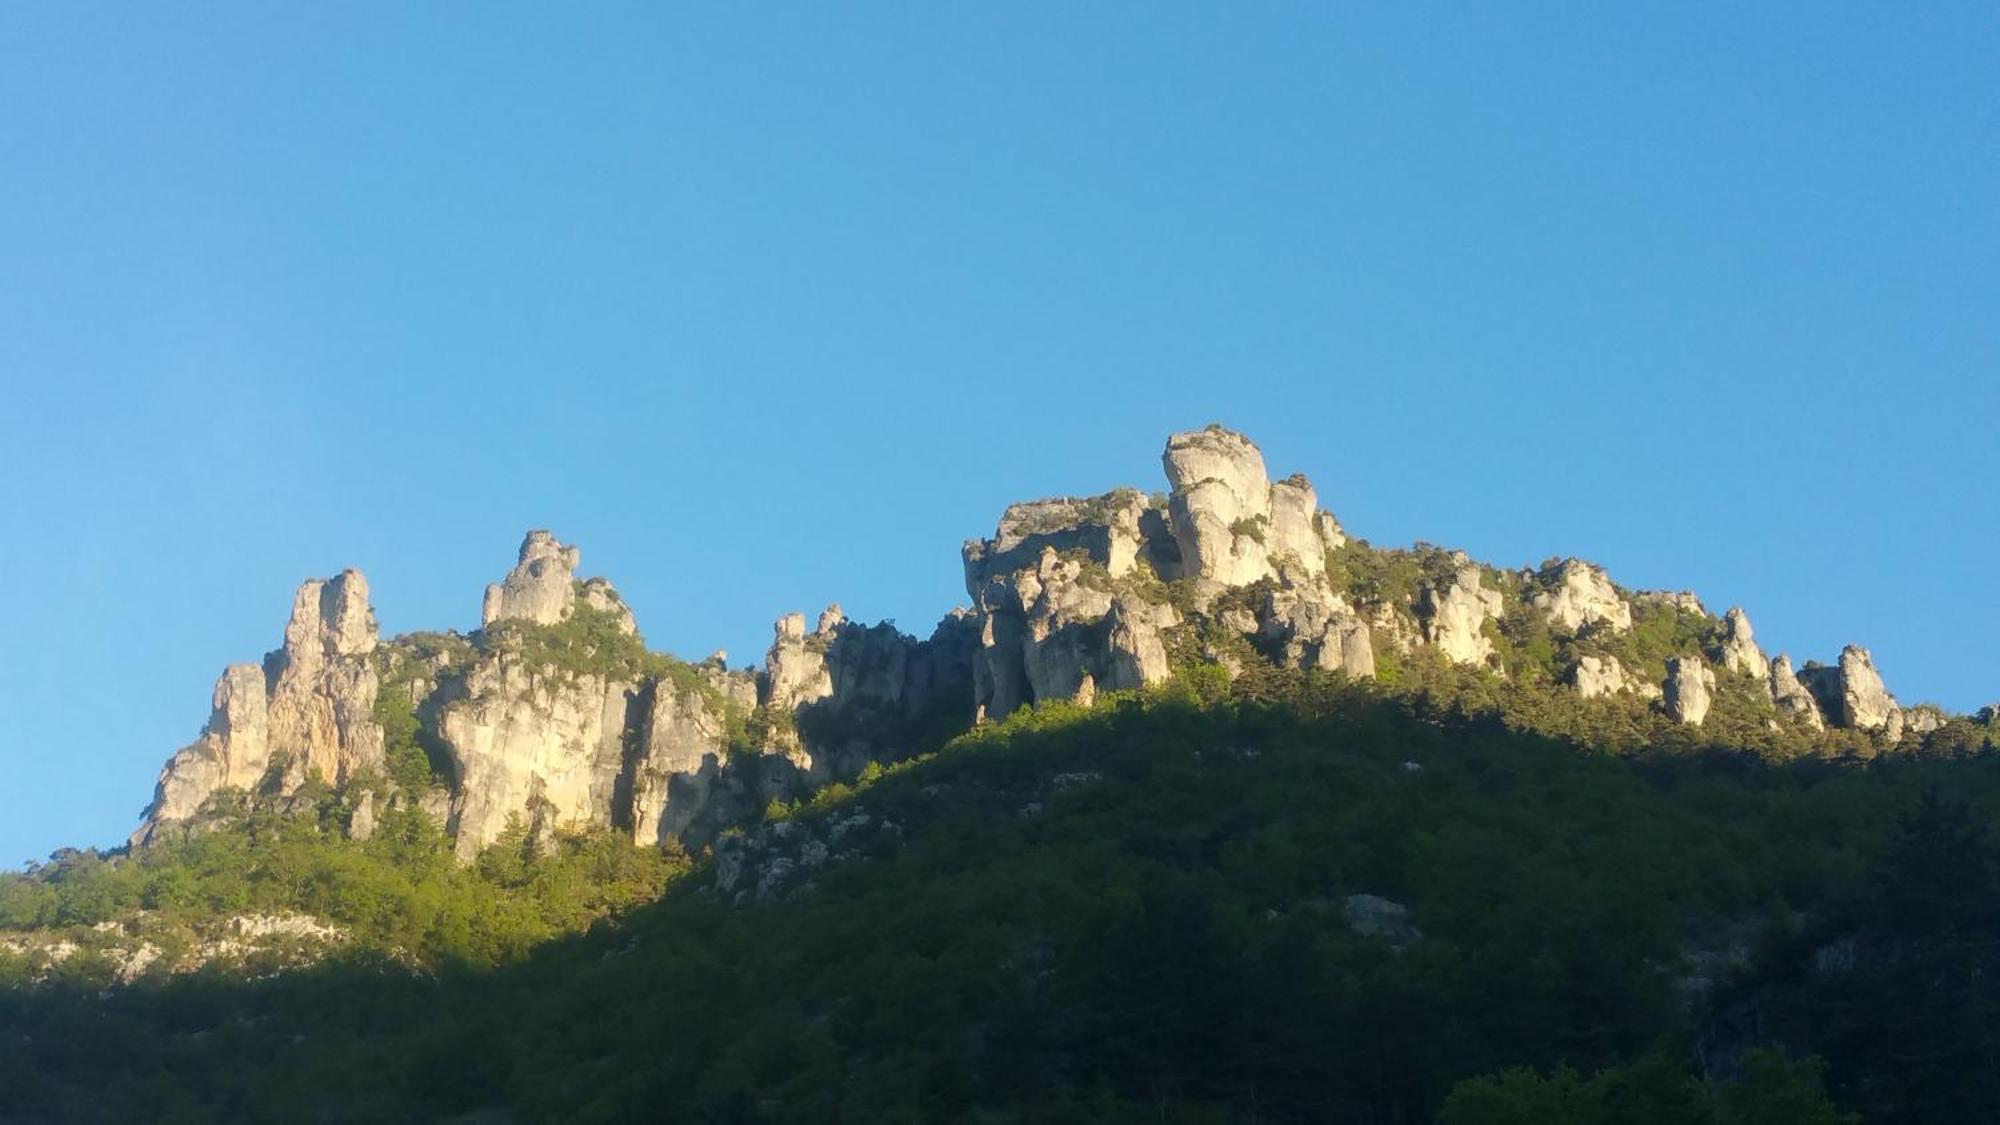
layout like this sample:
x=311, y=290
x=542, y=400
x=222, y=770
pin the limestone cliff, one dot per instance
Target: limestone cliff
x=306, y=712
x=554, y=716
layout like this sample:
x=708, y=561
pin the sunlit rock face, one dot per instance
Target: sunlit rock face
x=1791, y=697
x=1068, y=597
x=1580, y=594
x=309, y=709
x=1852, y=695
x=1740, y=653
x=1454, y=616
x=1689, y=690
x=1597, y=676
x=533, y=745
x=1220, y=505
x=543, y=587
x=323, y=684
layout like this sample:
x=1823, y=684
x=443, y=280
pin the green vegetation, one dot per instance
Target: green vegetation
x=588, y=642
x=398, y=893
x=1165, y=942
x=1773, y=1091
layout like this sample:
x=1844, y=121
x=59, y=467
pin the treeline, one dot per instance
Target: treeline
x=1161, y=935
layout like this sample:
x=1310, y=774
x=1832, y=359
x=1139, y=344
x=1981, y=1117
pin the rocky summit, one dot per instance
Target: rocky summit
x=554, y=715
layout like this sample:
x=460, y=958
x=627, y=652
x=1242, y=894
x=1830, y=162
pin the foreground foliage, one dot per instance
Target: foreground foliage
x=1136, y=912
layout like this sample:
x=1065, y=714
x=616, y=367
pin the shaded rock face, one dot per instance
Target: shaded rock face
x=309, y=707
x=543, y=587
x=1119, y=530
x=685, y=783
x=1852, y=694
x=1739, y=645
x=1578, y=593
x=1688, y=690
x=1791, y=696
x=1454, y=616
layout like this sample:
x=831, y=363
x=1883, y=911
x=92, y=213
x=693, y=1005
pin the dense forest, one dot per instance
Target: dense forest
x=1282, y=897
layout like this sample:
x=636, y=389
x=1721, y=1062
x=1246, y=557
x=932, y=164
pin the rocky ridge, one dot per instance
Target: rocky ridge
x=554, y=715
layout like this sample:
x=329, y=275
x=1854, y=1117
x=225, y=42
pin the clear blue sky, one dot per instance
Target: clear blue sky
x=776, y=305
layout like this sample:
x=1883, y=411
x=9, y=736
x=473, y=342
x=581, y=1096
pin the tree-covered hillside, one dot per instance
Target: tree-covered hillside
x=1290, y=898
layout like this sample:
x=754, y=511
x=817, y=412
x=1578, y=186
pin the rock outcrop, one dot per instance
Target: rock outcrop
x=1689, y=690
x=1068, y=595
x=308, y=710
x=1576, y=593
x=543, y=587
x=1596, y=676
x=549, y=721
x=1791, y=697
x=1852, y=694
x=1739, y=646
x=1455, y=615
x=534, y=746
x=1308, y=627
x=1220, y=506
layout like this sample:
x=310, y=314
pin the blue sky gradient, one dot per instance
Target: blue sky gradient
x=776, y=305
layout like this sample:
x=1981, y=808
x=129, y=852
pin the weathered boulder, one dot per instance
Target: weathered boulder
x=1220, y=506
x=1688, y=690
x=1739, y=646
x=1596, y=676
x=1575, y=593
x=1791, y=696
x=1455, y=614
x=1852, y=695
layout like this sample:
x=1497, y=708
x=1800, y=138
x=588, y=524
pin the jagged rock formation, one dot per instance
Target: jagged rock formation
x=308, y=709
x=1852, y=694
x=1689, y=690
x=1305, y=627
x=1577, y=593
x=548, y=719
x=531, y=744
x=1069, y=594
x=543, y=587
x=1455, y=616
x=1596, y=676
x=1791, y=696
x=1220, y=506
x=1739, y=646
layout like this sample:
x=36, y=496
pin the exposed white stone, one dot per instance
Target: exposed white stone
x=1688, y=690
x=1578, y=593
x=1739, y=646
x=1220, y=506
x=1596, y=676
x=1455, y=615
